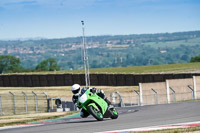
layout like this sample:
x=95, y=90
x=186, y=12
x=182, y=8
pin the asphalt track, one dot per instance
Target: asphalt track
x=130, y=117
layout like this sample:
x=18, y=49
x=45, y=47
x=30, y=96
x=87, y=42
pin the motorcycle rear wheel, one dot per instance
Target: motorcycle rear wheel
x=95, y=113
x=114, y=114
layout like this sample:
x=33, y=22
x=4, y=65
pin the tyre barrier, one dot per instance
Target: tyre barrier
x=39, y=80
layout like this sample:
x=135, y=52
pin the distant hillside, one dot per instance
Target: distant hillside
x=108, y=51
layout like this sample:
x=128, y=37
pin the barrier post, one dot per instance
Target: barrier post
x=195, y=87
x=36, y=103
x=13, y=99
x=138, y=97
x=193, y=95
x=47, y=96
x=141, y=97
x=52, y=104
x=25, y=96
x=121, y=101
x=174, y=94
x=1, y=109
x=156, y=95
x=168, y=91
x=113, y=97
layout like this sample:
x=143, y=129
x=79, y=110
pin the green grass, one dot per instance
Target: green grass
x=173, y=68
x=174, y=44
x=150, y=69
x=25, y=119
x=188, y=100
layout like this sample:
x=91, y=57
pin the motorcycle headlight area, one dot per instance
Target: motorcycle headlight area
x=83, y=98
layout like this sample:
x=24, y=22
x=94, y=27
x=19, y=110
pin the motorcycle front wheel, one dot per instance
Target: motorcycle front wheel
x=96, y=113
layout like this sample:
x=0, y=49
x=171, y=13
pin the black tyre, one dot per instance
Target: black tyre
x=114, y=114
x=95, y=113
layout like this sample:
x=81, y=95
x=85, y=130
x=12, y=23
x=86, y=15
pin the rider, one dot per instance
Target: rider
x=76, y=90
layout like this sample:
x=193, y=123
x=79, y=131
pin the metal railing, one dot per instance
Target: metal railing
x=151, y=97
x=22, y=103
x=26, y=103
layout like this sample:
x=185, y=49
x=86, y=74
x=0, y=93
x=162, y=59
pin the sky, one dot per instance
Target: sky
x=62, y=18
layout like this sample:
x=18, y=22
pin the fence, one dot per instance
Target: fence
x=171, y=91
x=123, y=99
x=22, y=103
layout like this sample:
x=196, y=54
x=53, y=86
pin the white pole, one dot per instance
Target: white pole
x=168, y=92
x=195, y=87
x=141, y=97
x=85, y=58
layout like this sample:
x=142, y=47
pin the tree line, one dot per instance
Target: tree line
x=11, y=64
x=195, y=59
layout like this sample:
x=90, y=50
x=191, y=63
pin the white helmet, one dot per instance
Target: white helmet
x=76, y=89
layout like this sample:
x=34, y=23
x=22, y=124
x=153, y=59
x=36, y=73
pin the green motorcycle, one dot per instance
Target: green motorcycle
x=96, y=106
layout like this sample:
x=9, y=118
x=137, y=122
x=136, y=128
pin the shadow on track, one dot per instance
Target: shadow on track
x=127, y=110
x=121, y=111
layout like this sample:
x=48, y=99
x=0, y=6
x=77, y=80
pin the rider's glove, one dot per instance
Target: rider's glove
x=74, y=99
x=101, y=93
x=93, y=90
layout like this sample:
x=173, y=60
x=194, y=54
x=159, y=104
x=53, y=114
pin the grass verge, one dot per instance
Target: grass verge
x=170, y=68
x=188, y=100
x=25, y=119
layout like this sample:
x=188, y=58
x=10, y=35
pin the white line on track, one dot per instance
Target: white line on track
x=161, y=127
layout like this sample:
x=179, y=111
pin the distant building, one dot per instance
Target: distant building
x=163, y=51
